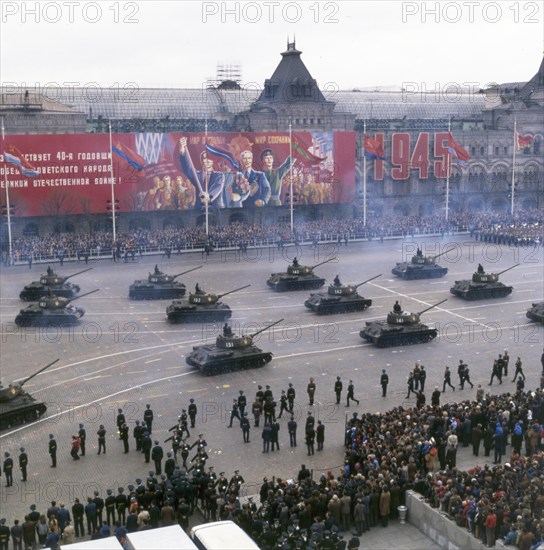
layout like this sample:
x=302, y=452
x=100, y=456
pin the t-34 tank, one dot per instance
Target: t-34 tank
x=339, y=298
x=400, y=328
x=229, y=353
x=53, y=311
x=19, y=407
x=51, y=281
x=298, y=277
x=159, y=286
x=200, y=306
x=536, y=313
x=482, y=286
x=421, y=267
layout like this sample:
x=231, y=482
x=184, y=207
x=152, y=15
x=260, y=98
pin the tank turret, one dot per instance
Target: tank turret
x=297, y=277
x=52, y=310
x=399, y=328
x=200, y=307
x=482, y=286
x=339, y=298
x=536, y=312
x=51, y=281
x=230, y=352
x=420, y=267
x=17, y=406
x=159, y=286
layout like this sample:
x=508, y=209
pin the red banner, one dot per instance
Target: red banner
x=153, y=171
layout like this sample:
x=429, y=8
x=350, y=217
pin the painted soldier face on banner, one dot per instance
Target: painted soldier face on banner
x=268, y=161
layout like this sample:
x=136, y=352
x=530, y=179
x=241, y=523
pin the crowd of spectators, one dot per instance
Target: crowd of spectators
x=524, y=228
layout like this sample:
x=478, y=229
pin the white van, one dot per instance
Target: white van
x=108, y=543
x=170, y=538
x=222, y=535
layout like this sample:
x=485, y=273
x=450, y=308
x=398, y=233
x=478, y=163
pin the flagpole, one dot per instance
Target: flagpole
x=513, y=169
x=291, y=175
x=448, y=170
x=206, y=197
x=113, y=209
x=364, y=175
x=8, y=209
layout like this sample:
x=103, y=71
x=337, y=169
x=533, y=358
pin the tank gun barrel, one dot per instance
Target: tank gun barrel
x=427, y=309
x=36, y=373
x=78, y=273
x=512, y=267
x=368, y=280
x=185, y=272
x=265, y=328
x=441, y=253
x=324, y=262
x=82, y=295
x=231, y=291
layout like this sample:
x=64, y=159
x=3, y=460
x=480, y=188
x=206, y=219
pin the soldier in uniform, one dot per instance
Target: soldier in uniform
x=236, y=482
x=311, y=390
x=267, y=394
x=320, y=435
x=169, y=465
x=23, y=463
x=257, y=410
x=183, y=424
x=156, y=455
x=146, y=447
x=184, y=448
x=260, y=393
x=292, y=429
x=283, y=403
x=120, y=420
x=242, y=402
x=497, y=371
x=245, y=425
x=121, y=503
x=351, y=391
x=310, y=439
x=384, y=380
x=234, y=412
x=138, y=433
x=505, y=360
x=447, y=380
x=192, y=410
x=467, y=376
x=8, y=469
x=110, y=508
x=78, y=511
x=101, y=439
x=422, y=377
x=291, y=397
x=53, y=450
x=461, y=372
x=200, y=443
x=148, y=418
x=397, y=308
x=124, y=436
x=82, y=434
x=519, y=370
x=99, y=506
x=338, y=386
x=222, y=483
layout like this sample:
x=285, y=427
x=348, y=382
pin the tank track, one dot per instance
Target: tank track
x=211, y=316
x=400, y=339
x=338, y=307
x=483, y=293
x=153, y=294
x=20, y=416
x=231, y=365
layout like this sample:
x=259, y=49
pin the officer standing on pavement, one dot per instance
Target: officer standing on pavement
x=283, y=403
x=82, y=436
x=101, y=433
x=234, y=412
x=110, y=508
x=169, y=465
x=320, y=435
x=447, y=380
x=519, y=370
x=156, y=455
x=53, y=450
x=292, y=429
x=8, y=469
x=146, y=446
x=192, y=410
x=99, y=506
x=23, y=463
x=338, y=389
x=245, y=425
x=120, y=420
x=242, y=402
x=148, y=418
x=422, y=377
x=123, y=431
x=257, y=410
x=311, y=390
x=138, y=433
x=384, y=380
x=184, y=449
x=291, y=397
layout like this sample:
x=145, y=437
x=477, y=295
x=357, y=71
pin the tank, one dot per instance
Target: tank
x=483, y=286
x=52, y=311
x=229, y=353
x=159, y=286
x=536, y=312
x=51, y=281
x=19, y=407
x=201, y=306
x=297, y=277
x=339, y=298
x=421, y=267
x=399, y=329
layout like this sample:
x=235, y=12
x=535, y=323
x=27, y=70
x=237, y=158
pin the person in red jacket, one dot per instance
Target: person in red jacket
x=490, y=524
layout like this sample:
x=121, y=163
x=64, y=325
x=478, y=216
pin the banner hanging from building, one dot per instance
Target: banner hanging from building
x=52, y=175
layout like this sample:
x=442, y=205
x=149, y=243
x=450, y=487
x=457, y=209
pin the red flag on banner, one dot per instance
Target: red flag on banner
x=523, y=141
